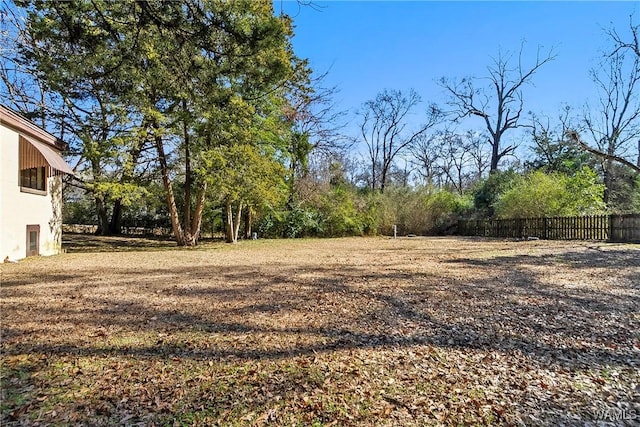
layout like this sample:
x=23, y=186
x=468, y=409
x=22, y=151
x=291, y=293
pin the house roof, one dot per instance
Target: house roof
x=50, y=156
x=42, y=149
x=15, y=121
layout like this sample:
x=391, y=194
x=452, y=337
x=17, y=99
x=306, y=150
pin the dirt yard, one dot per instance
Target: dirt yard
x=344, y=332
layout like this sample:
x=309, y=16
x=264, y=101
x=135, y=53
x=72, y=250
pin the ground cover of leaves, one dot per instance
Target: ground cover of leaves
x=344, y=332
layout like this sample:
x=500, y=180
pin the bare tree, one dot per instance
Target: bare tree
x=500, y=102
x=448, y=158
x=384, y=129
x=316, y=121
x=426, y=152
x=613, y=125
x=475, y=146
x=454, y=161
x=632, y=43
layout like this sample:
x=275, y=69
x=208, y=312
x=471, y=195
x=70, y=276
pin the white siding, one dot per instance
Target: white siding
x=19, y=209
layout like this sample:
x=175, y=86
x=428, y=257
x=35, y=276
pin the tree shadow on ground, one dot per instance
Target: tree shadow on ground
x=88, y=243
x=276, y=312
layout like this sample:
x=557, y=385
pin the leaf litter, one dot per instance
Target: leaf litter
x=348, y=332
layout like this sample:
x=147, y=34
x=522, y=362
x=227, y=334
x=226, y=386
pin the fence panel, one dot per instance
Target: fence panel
x=615, y=228
x=625, y=228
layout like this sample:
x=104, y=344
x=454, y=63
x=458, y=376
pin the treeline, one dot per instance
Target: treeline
x=336, y=207
x=198, y=116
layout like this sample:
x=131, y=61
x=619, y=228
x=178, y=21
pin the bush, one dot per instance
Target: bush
x=443, y=210
x=340, y=216
x=298, y=221
x=624, y=191
x=489, y=190
x=337, y=212
x=79, y=211
x=302, y=221
x=419, y=211
x=343, y=210
x=538, y=194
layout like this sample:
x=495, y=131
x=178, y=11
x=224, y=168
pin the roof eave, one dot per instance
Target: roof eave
x=20, y=124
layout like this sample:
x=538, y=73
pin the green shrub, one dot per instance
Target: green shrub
x=538, y=194
x=419, y=211
x=340, y=215
x=298, y=221
x=489, y=190
x=443, y=209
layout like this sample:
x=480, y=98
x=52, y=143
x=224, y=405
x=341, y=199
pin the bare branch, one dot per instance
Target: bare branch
x=613, y=124
x=384, y=130
x=575, y=137
x=622, y=43
x=505, y=93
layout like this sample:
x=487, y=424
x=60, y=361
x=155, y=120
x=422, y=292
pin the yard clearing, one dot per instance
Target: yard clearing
x=344, y=332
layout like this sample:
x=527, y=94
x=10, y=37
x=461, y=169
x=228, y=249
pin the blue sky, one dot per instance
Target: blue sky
x=369, y=46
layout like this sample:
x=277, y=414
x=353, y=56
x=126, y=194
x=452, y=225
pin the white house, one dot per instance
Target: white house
x=31, y=170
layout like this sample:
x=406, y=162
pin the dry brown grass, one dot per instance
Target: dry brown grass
x=375, y=331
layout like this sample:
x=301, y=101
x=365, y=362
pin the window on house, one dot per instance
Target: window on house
x=34, y=178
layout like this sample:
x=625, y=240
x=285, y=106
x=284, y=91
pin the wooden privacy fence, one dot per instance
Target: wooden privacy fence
x=615, y=228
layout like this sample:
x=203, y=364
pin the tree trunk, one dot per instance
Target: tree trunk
x=373, y=176
x=607, y=178
x=101, y=208
x=237, y=222
x=103, y=221
x=196, y=223
x=495, y=156
x=248, y=218
x=187, y=175
x=178, y=233
x=115, y=225
x=229, y=222
x=608, y=172
x=232, y=223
